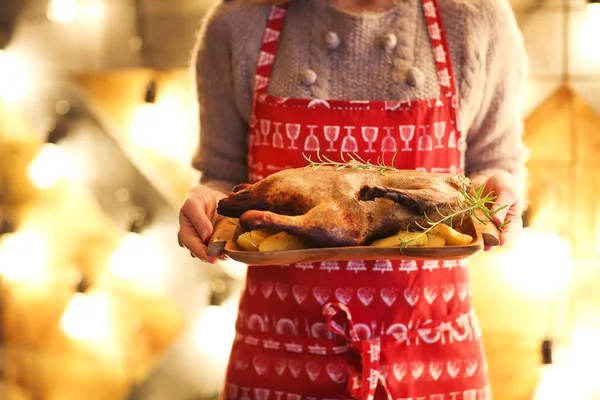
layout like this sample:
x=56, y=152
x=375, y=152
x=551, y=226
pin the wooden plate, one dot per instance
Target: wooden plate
x=226, y=232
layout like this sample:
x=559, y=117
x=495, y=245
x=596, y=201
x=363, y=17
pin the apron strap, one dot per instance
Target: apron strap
x=268, y=50
x=361, y=385
x=441, y=50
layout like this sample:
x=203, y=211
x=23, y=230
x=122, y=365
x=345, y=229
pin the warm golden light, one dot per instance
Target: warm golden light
x=584, y=356
x=162, y=127
x=93, y=9
x=215, y=332
x=532, y=269
x=87, y=317
x=556, y=384
x=23, y=256
x=50, y=165
x=574, y=375
x=62, y=11
x=15, y=82
x=140, y=262
x=589, y=32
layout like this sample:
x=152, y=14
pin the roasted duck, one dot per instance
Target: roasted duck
x=329, y=207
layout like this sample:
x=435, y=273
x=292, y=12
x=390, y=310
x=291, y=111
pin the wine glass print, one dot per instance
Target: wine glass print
x=439, y=131
x=277, y=136
x=349, y=144
x=425, y=141
x=407, y=133
x=369, y=133
x=388, y=143
x=392, y=104
x=265, y=127
x=312, y=142
x=292, y=131
x=452, y=140
x=331, y=134
x=245, y=395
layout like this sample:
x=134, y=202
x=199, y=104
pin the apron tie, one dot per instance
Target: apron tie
x=361, y=385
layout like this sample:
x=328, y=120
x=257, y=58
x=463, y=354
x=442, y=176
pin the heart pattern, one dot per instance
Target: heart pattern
x=366, y=295
x=260, y=364
x=313, y=370
x=344, y=295
x=430, y=293
x=282, y=290
x=295, y=367
x=252, y=285
x=266, y=287
x=241, y=362
x=471, y=366
x=453, y=368
x=322, y=294
x=411, y=296
x=448, y=290
x=399, y=371
x=389, y=295
x=436, y=369
x=462, y=290
x=416, y=369
x=337, y=372
x=299, y=293
x=280, y=365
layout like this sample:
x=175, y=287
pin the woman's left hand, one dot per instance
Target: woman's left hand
x=502, y=185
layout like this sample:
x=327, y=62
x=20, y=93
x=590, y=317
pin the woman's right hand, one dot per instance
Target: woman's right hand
x=197, y=217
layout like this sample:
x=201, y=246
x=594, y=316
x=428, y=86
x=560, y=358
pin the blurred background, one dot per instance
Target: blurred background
x=98, y=123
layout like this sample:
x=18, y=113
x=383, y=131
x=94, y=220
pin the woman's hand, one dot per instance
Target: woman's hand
x=196, y=219
x=502, y=185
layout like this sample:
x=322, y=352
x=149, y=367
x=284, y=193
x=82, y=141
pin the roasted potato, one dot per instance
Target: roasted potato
x=434, y=240
x=249, y=241
x=451, y=235
x=281, y=241
x=408, y=238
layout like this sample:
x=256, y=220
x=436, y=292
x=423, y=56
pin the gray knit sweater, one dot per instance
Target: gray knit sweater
x=354, y=57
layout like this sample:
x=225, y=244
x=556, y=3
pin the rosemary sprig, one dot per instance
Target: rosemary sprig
x=469, y=202
x=354, y=162
x=468, y=205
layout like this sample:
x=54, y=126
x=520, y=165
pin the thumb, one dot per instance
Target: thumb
x=500, y=209
x=504, y=203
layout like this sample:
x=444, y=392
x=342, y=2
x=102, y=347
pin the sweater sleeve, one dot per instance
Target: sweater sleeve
x=494, y=140
x=221, y=156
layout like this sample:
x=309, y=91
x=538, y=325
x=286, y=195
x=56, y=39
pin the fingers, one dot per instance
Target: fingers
x=195, y=214
x=189, y=239
x=513, y=229
x=195, y=227
x=507, y=209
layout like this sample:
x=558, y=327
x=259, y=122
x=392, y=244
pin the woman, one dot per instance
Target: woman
x=436, y=80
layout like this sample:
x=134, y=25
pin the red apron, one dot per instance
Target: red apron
x=357, y=329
